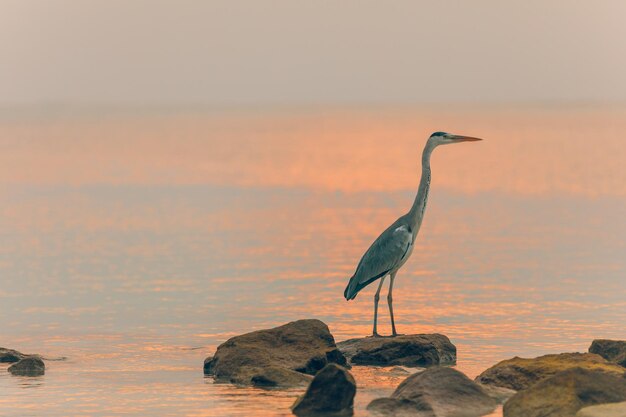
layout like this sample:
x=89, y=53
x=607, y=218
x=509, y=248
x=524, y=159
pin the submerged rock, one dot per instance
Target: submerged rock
x=29, y=366
x=283, y=356
x=405, y=350
x=604, y=410
x=275, y=376
x=521, y=373
x=10, y=355
x=400, y=371
x=611, y=350
x=436, y=392
x=563, y=394
x=330, y=393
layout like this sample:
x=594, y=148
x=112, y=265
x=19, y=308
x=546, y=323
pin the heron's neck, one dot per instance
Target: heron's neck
x=416, y=214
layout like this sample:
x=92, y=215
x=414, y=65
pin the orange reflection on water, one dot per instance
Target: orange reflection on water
x=526, y=150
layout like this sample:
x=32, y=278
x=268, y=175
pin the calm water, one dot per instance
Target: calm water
x=134, y=243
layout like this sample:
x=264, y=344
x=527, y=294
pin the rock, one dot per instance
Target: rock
x=29, y=366
x=208, y=363
x=604, y=410
x=330, y=393
x=275, y=376
x=436, y=392
x=25, y=365
x=399, y=371
x=563, y=394
x=10, y=355
x=406, y=350
x=400, y=408
x=521, y=373
x=611, y=350
x=500, y=394
x=275, y=357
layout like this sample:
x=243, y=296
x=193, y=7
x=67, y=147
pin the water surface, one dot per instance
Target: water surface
x=134, y=243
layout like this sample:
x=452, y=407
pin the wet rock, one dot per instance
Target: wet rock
x=330, y=393
x=604, y=410
x=29, y=366
x=611, y=350
x=406, y=350
x=521, y=373
x=283, y=356
x=10, y=355
x=436, y=392
x=563, y=394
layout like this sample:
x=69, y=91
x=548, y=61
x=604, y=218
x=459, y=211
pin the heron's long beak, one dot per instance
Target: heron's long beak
x=458, y=138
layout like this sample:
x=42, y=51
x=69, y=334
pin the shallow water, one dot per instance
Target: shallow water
x=134, y=243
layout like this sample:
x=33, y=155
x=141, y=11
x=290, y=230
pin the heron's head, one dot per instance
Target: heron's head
x=443, y=138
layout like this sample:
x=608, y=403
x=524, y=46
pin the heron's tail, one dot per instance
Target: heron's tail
x=355, y=284
x=351, y=289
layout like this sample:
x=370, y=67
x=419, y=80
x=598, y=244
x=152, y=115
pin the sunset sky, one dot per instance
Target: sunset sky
x=222, y=52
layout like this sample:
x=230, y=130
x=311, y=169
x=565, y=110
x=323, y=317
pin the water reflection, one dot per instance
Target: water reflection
x=528, y=150
x=28, y=382
x=127, y=243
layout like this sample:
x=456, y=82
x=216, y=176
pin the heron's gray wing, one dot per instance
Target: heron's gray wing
x=386, y=253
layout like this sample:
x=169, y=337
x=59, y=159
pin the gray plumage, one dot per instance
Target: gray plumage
x=394, y=246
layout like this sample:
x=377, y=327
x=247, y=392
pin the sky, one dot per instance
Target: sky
x=224, y=52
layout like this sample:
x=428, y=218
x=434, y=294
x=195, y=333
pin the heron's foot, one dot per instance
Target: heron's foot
x=375, y=334
x=397, y=334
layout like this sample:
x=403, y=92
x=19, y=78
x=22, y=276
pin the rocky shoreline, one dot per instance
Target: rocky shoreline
x=22, y=364
x=304, y=353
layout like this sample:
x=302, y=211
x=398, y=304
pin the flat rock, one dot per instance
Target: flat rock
x=604, y=410
x=401, y=371
x=29, y=366
x=10, y=355
x=283, y=356
x=611, y=350
x=563, y=394
x=330, y=393
x=522, y=373
x=436, y=392
x=406, y=350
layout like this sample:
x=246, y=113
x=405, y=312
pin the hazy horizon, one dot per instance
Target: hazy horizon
x=224, y=54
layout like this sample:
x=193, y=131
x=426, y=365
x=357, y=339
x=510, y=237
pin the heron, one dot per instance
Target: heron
x=394, y=246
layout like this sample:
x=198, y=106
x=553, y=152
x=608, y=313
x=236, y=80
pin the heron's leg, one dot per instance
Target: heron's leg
x=390, y=302
x=376, y=298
